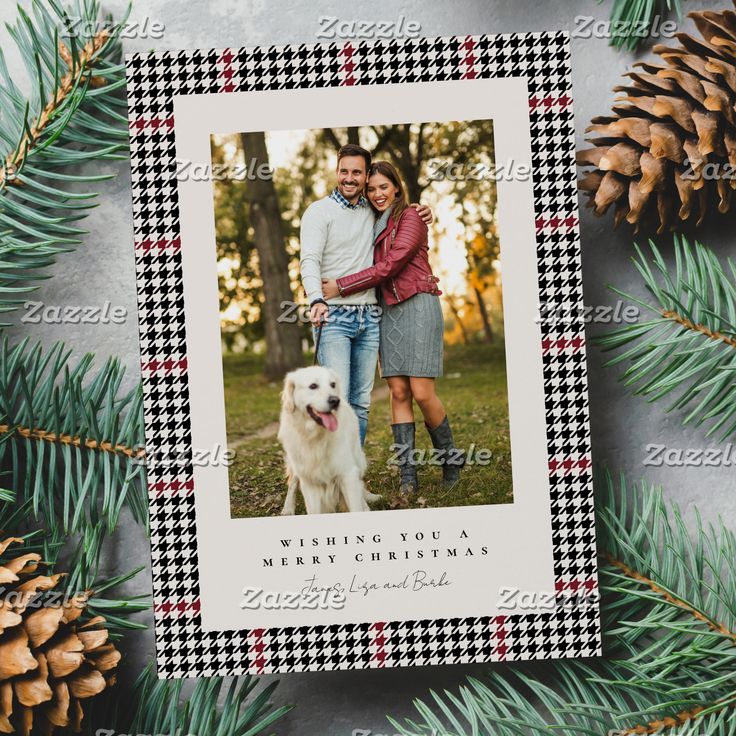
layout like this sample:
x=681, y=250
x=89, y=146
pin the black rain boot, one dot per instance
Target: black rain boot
x=452, y=460
x=404, y=435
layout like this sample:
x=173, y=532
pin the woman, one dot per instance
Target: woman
x=411, y=345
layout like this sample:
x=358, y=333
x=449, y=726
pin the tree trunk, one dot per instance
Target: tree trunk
x=456, y=315
x=410, y=164
x=283, y=341
x=398, y=142
x=487, y=329
x=331, y=137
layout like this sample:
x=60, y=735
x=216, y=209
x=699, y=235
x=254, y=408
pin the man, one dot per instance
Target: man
x=337, y=240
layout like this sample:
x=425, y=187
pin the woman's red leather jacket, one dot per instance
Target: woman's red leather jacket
x=400, y=262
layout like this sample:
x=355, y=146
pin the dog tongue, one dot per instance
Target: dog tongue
x=329, y=420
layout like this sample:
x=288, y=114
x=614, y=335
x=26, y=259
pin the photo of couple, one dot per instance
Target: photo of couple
x=362, y=321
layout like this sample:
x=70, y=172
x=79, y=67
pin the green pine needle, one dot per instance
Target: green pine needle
x=76, y=113
x=687, y=350
x=74, y=442
x=80, y=568
x=633, y=20
x=669, y=624
x=211, y=708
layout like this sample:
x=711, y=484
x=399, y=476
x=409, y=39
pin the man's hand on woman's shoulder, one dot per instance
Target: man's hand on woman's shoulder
x=424, y=212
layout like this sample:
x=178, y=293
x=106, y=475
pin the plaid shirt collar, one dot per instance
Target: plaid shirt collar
x=344, y=203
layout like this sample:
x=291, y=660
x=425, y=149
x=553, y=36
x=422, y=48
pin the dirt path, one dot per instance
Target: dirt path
x=269, y=430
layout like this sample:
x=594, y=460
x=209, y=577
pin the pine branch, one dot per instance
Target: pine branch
x=163, y=707
x=669, y=623
x=74, y=441
x=77, y=578
x=629, y=19
x=689, y=346
x=682, y=597
x=76, y=112
x=84, y=579
x=70, y=440
x=14, y=523
x=665, y=594
x=7, y=496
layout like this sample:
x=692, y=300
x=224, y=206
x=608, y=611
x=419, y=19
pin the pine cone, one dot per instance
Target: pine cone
x=49, y=659
x=669, y=147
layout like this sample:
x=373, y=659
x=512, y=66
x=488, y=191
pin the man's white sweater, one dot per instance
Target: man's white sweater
x=335, y=241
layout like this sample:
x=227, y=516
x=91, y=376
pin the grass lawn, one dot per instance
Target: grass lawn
x=473, y=390
x=251, y=401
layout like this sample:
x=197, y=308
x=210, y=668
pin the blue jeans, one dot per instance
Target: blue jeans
x=349, y=346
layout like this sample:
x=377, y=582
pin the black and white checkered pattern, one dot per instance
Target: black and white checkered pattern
x=183, y=648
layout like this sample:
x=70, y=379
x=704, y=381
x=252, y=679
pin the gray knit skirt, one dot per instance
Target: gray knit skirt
x=411, y=338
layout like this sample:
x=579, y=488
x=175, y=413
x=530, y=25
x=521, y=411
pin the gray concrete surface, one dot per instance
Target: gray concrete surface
x=336, y=704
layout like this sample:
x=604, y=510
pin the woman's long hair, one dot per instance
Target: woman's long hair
x=388, y=170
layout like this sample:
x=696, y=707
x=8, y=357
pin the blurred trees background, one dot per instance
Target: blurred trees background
x=448, y=166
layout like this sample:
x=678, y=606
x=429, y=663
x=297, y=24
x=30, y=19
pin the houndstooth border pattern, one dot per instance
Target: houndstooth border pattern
x=183, y=648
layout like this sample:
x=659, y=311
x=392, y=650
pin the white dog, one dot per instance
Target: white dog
x=319, y=434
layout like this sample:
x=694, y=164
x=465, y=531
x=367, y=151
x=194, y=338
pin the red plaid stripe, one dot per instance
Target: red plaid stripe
x=348, y=65
x=171, y=488
x=164, y=366
x=569, y=465
x=468, y=58
x=151, y=124
x=178, y=608
x=228, y=72
x=549, y=102
x=256, y=651
x=555, y=223
x=576, y=584
x=563, y=344
x=170, y=245
x=500, y=648
x=378, y=644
